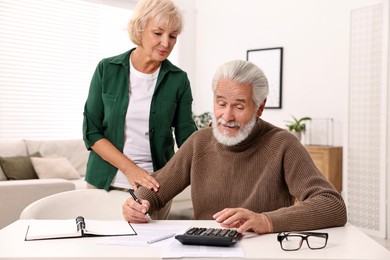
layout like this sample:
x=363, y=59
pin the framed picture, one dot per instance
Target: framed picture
x=270, y=60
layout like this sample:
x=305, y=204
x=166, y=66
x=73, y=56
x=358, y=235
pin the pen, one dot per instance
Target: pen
x=160, y=238
x=131, y=191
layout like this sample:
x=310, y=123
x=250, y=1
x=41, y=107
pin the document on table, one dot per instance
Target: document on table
x=178, y=250
x=171, y=248
x=146, y=235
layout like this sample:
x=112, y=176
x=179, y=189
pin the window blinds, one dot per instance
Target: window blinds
x=48, y=52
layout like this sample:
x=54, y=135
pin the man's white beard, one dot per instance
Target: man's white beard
x=225, y=139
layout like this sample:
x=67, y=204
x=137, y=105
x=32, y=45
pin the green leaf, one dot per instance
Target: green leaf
x=297, y=125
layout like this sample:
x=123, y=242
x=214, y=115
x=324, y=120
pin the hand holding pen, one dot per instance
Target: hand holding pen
x=131, y=191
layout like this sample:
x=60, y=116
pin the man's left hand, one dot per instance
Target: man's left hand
x=243, y=220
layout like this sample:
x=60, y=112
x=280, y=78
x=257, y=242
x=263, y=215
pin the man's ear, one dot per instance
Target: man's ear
x=261, y=108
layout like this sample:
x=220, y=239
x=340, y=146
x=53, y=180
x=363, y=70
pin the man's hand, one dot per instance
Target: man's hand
x=134, y=212
x=243, y=220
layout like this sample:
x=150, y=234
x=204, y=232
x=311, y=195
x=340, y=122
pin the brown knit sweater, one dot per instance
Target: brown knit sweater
x=264, y=173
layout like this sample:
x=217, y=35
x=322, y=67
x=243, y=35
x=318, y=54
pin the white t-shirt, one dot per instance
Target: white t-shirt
x=137, y=147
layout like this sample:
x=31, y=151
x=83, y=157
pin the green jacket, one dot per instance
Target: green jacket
x=106, y=107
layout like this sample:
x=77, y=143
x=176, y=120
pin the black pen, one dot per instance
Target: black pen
x=131, y=191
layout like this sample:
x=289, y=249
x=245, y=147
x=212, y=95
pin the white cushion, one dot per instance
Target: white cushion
x=49, y=168
x=74, y=150
x=79, y=183
x=11, y=148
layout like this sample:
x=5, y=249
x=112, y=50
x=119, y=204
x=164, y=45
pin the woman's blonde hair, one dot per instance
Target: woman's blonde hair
x=165, y=13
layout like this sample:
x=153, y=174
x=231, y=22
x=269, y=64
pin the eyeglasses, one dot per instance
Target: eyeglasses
x=291, y=241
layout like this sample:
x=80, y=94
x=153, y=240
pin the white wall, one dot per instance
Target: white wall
x=187, y=39
x=315, y=38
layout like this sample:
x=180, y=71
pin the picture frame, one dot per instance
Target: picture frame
x=270, y=60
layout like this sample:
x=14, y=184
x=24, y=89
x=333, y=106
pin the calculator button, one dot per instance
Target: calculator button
x=199, y=231
x=232, y=233
x=208, y=232
x=191, y=231
x=223, y=232
x=216, y=231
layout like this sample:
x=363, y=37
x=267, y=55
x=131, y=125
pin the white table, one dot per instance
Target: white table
x=344, y=243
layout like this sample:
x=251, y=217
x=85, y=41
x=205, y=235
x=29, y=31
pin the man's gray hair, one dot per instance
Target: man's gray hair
x=243, y=72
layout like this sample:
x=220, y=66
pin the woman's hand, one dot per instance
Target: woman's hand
x=140, y=177
x=136, y=175
x=243, y=220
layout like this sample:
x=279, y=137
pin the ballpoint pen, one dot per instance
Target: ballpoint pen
x=160, y=238
x=131, y=191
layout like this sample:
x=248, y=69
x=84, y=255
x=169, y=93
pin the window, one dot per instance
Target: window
x=49, y=50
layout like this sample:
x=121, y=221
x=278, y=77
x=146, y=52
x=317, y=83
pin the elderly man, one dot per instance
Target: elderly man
x=245, y=172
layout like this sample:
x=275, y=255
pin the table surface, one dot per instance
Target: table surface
x=346, y=242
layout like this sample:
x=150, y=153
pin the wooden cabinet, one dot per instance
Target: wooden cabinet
x=329, y=161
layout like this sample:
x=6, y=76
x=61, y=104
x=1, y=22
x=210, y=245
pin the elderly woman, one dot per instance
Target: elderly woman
x=135, y=100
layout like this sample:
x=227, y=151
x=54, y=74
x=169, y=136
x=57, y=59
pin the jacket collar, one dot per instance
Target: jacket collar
x=124, y=60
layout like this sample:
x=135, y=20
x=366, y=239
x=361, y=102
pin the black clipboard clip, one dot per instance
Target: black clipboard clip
x=80, y=223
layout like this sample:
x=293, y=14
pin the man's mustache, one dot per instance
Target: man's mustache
x=228, y=124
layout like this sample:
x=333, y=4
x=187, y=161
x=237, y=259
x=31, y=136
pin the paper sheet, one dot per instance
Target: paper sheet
x=171, y=248
x=145, y=233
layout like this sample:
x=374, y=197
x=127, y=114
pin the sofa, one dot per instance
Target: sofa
x=33, y=169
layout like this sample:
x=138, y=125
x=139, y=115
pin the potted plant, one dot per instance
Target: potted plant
x=202, y=120
x=297, y=126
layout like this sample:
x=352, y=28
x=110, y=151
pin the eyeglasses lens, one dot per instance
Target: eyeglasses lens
x=316, y=242
x=291, y=242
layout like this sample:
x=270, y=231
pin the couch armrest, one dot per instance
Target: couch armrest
x=16, y=195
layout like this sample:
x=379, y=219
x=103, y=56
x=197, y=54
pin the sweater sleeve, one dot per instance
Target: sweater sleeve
x=318, y=205
x=173, y=178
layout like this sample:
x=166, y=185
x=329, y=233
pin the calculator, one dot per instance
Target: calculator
x=209, y=236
